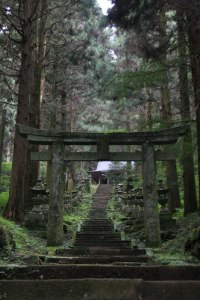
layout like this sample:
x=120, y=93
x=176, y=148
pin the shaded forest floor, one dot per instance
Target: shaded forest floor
x=173, y=251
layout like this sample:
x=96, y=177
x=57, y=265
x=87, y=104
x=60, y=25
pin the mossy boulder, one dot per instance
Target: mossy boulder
x=193, y=243
x=6, y=239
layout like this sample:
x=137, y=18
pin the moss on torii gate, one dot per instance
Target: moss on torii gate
x=58, y=156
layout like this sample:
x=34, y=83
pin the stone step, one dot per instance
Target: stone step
x=75, y=289
x=100, y=241
x=95, y=230
x=96, y=215
x=106, y=220
x=111, y=242
x=98, y=234
x=96, y=259
x=98, y=223
x=96, y=227
x=99, y=289
x=147, y=273
x=102, y=244
x=103, y=251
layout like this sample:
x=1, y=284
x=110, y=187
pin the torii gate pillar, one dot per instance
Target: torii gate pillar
x=151, y=214
x=55, y=217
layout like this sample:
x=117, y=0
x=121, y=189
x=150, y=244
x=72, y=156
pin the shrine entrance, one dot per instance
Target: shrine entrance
x=58, y=157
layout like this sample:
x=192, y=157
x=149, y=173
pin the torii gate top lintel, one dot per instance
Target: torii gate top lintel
x=47, y=137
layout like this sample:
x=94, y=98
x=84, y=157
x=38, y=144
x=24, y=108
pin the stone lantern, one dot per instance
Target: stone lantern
x=167, y=223
x=162, y=195
x=37, y=218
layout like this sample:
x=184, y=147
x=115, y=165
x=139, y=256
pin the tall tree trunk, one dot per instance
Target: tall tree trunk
x=32, y=169
x=15, y=206
x=2, y=134
x=166, y=116
x=193, y=18
x=53, y=114
x=171, y=170
x=190, y=201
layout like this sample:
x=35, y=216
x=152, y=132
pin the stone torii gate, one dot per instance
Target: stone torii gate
x=58, y=156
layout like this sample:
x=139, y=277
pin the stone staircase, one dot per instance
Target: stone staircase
x=100, y=267
x=97, y=242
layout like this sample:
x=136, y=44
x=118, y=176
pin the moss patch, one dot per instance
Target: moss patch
x=173, y=251
x=25, y=243
x=3, y=201
x=5, y=176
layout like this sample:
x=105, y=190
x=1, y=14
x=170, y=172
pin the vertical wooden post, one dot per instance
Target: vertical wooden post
x=103, y=148
x=151, y=215
x=55, y=219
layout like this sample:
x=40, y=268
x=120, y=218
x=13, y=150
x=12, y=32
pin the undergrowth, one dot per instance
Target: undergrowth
x=173, y=251
x=28, y=244
x=25, y=242
x=3, y=200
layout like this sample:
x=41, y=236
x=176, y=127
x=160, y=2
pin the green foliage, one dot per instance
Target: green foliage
x=3, y=200
x=140, y=14
x=128, y=82
x=4, y=182
x=113, y=211
x=25, y=242
x=178, y=214
x=5, y=176
x=43, y=169
x=160, y=171
x=7, y=166
x=74, y=219
x=173, y=251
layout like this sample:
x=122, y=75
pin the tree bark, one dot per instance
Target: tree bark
x=32, y=169
x=15, y=207
x=193, y=23
x=190, y=201
x=171, y=170
x=2, y=134
x=166, y=116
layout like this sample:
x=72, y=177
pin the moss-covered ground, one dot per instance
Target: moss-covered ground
x=28, y=245
x=173, y=251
